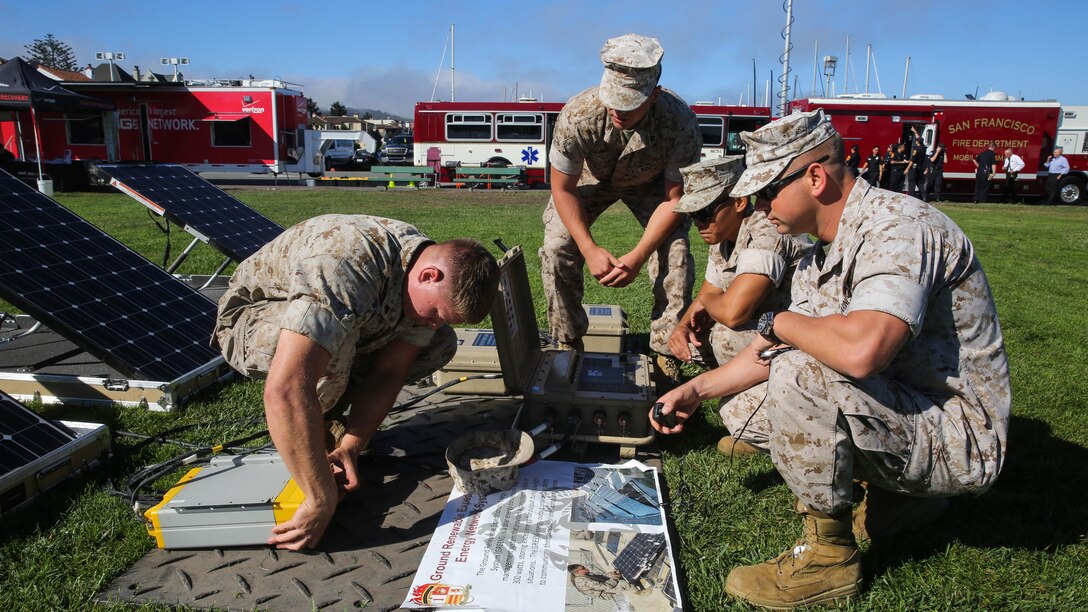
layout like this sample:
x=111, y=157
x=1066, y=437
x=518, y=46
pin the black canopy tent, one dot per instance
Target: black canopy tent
x=22, y=87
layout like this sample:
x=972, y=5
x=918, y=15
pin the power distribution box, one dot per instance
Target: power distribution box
x=235, y=500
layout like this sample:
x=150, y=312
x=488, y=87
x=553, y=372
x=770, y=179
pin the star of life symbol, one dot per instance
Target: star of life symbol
x=530, y=155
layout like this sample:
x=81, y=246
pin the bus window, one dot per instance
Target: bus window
x=712, y=129
x=519, y=127
x=463, y=126
x=734, y=145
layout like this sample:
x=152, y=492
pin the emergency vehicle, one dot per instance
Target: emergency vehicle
x=503, y=134
x=206, y=126
x=1029, y=128
x=1073, y=138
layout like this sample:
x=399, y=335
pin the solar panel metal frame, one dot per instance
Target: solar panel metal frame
x=169, y=349
x=157, y=186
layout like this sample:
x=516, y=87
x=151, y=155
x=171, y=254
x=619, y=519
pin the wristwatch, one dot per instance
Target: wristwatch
x=765, y=326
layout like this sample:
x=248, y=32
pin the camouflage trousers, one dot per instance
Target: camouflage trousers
x=671, y=268
x=824, y=430
x=249, y=345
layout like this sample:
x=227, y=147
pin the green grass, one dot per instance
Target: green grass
x=1023, y=545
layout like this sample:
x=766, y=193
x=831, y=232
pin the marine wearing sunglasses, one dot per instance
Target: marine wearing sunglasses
x=771, y=190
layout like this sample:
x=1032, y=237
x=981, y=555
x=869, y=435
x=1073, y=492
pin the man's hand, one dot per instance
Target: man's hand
x=305, y=528
x=601, y=263
x=699, y=318
x=681, y=335
x=625, y=273
x=344, y=468
x=682, y=401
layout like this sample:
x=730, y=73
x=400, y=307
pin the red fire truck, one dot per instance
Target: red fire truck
x=226, y=126
x=519, y=133
x=1073, y=138
x=965, y=127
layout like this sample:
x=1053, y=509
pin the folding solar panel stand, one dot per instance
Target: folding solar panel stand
x=120, y=329
x=210, y=214
x=611, y=393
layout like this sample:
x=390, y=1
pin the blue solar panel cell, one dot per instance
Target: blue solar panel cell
x=98, y=293
x=211, y=214
x=24, y=436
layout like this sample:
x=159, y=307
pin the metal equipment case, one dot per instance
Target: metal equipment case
x=611, y=393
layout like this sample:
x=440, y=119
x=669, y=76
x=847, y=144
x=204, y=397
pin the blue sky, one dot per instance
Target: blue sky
x=386, y=55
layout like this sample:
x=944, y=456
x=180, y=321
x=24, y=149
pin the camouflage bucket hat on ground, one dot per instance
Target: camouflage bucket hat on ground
x=771, y=148
x=632, y=66
x=483, y=462
x=706, y=182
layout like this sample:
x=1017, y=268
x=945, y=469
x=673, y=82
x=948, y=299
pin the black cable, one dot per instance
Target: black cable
x=166, y=232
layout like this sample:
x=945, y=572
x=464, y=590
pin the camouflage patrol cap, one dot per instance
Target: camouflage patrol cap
x=707, y=181
x=771, y=148
x=632, y=66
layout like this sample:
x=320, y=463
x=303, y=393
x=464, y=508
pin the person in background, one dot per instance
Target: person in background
x=917, y=165
x=873, y=165
x=890, y=366
x=886, y=167
x=984, y=171
x=624, y=140
x=748, y=272
x=1058, y=166
x=900, y=165
x=935, y=173
x=336, y=314
x=1012, y=165
x=853, y=160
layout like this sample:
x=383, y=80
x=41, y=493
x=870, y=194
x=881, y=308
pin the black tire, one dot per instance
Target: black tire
x=498, y=162
x=314, y=174
x=1071, y=190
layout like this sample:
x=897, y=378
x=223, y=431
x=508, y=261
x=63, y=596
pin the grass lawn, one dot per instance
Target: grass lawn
x=1023, y=545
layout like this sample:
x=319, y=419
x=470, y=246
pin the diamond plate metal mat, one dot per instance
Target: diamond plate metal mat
x=372, y=548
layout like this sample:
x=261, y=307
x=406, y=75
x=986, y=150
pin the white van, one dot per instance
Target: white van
x=339, y=153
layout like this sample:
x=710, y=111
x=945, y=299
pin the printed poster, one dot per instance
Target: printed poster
x=569, y=537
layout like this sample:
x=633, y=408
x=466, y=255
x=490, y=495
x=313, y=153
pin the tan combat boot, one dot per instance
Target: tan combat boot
x=669, y=374
x=823, y=566
x=882, y=514
x=732, y=447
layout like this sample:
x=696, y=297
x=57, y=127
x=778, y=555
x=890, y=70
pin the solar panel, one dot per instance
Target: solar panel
x=639, y=554
x=204, y=210
x=24, y=436
x=96, y=292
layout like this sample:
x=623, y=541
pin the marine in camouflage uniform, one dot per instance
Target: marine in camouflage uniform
x=600, y=155
x=338, y=280
x=339, y=312
x=743, y=243
x=899, y=379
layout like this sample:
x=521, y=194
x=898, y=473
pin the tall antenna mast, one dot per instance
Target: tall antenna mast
x=906, y=73
x=868, y=56
x=453, y=96
x=785, y=78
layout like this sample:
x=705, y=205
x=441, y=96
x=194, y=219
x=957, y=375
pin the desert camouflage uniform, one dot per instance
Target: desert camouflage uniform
x=338, y=280
x=627, y=165
x=934, y=422
x=759, y=249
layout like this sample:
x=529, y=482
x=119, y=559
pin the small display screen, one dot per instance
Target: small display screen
x=605, y=375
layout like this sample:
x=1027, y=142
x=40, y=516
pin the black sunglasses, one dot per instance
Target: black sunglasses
x=770, y=190
x=705, y=214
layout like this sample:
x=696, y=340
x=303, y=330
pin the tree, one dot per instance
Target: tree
x=311, y=107
x=367, y=116
x=51, y=53
x=338, y=110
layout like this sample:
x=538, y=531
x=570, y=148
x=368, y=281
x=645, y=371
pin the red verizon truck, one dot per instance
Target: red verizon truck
x=220, y=126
